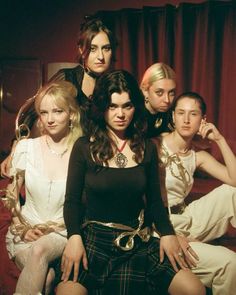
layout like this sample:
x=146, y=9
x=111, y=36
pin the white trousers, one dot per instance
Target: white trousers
x=206, y=219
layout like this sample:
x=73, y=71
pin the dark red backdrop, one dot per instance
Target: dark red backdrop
x=197, y=40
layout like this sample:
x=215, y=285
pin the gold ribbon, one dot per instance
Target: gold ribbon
x=174, y=159
x=130, y=232
x=19, y=229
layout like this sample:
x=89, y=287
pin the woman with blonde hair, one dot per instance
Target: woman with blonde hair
x=158, y=86
x=37, y=235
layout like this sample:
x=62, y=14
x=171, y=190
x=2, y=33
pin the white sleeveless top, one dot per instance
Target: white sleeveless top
x=179, y=173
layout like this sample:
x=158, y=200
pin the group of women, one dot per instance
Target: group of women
x=94, y=221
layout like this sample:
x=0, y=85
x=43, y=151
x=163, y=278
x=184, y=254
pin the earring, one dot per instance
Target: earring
x=146, y=100
x=71, y=125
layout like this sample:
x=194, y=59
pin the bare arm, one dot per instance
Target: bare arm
x=224, y=172
x=6, y=163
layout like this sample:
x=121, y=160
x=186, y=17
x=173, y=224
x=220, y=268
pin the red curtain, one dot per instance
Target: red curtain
x=197, y=40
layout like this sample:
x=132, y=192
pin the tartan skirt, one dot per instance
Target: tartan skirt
x=112, y=271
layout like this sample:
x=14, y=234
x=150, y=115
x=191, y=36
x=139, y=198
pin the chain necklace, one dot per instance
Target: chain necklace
x=54, y=152
x=120, y=159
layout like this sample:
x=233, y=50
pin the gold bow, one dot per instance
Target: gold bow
x=130, y=232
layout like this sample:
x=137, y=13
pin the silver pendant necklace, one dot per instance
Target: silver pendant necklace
x=54, y=152
x=120, y=159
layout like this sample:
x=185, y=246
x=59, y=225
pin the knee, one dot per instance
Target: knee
x=38, y=252
x=186, y=283
x=194, y=289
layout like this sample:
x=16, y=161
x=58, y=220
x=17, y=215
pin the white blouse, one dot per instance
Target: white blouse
x=44, y=197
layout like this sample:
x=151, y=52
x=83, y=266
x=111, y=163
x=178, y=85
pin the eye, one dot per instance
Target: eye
x=42, y=113
x=159, y=92
x=107, y=48
x=112, y=107
x=58, y=111
x=93, y=48
x=194, y=114
x=172, y=93
x=128, y=106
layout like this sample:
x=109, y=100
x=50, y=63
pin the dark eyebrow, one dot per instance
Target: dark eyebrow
x=123, y=105
x=106, y=45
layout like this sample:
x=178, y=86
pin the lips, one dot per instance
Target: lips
x=120, y=122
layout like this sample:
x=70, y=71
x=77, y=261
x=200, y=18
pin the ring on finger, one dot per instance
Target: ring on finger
x=180, y=254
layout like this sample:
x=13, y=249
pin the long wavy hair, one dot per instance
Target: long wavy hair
x=88, y=30
x=64, y=95
x=101, y=143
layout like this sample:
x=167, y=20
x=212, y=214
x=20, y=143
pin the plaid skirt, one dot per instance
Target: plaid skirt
x=117, y=272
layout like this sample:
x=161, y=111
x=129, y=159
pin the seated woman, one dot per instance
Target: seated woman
x=110, y=249
x=37, y=234
x=207, y=218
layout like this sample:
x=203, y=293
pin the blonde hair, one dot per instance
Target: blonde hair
x=64, y=95
x=155, y=72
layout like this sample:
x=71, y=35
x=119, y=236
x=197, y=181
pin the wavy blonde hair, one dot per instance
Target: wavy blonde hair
x=64, y=95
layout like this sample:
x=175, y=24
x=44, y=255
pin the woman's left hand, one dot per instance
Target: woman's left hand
x=170, y=246
x=209, y=131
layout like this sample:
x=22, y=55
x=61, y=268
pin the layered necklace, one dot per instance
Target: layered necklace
x=120, y=159
x=52, y=151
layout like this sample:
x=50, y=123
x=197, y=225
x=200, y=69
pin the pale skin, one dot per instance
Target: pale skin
x=98, y=61
x=118, y=117
x=159, y=95
x=55, y=122
x=189, y=120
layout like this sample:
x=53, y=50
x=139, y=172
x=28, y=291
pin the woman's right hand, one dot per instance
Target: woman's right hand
x=74, y=252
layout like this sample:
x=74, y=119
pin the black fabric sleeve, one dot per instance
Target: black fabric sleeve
x=73, y=206
x=155, y=206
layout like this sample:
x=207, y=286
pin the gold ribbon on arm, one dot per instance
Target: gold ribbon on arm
x=19, y=229
x=130, y=232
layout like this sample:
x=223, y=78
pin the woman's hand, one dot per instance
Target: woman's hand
x=32, y=235
x=209, y=131
x=74, y=252
x=5, y=167
x=190, y=255
x=170, y=246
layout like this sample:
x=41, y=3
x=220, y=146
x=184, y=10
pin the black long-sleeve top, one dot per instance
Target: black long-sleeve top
x=113, y=194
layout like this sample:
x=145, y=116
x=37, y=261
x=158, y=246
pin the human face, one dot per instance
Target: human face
x=187, y=116
x=99, y=58
x=55, y=120
x=160, y=95
x=119, y=113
